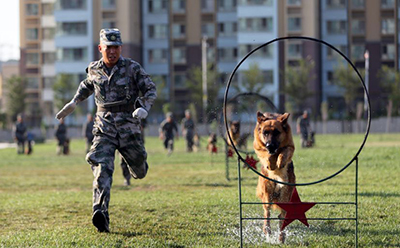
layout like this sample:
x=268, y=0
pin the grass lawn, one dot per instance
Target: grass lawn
x=186, y=201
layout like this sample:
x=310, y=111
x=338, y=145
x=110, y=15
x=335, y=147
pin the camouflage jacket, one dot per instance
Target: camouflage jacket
x=117, y=86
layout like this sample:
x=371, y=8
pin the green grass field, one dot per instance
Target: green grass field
x=186, y=201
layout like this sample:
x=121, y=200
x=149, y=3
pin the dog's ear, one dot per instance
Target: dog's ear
x=284, y=119
x=261, y=117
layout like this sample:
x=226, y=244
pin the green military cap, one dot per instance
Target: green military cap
x=110, y=37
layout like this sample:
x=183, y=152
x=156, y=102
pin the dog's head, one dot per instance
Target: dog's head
x=212, y=139
x=235, y=127
x=272, y=131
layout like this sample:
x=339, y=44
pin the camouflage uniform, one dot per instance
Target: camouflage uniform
x=116, y=96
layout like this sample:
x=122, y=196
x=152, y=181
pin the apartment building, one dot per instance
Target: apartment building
x=61, y=36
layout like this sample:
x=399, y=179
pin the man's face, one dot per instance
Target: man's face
x=110, y=54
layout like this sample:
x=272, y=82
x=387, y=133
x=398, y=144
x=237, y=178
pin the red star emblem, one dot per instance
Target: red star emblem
x=251, y=162
x=295, y=209
x=230, y=153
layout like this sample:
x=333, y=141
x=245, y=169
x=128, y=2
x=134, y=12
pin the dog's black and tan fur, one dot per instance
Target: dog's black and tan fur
x=239, y=141
x=273, y=144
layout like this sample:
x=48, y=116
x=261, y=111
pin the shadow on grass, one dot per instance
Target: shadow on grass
x=379, y=194
x=128, y=234
x=213, y=185
x=376, y=194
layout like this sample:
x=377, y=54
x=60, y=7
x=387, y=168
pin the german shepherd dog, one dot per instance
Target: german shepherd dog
x=239, y=141
x=212, y=143
x=273, y=144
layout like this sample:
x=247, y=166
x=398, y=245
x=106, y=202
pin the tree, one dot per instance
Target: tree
x=15, y=96
x=194, y=84
x=347, y=79
x=159, y=105
x=296, y=83
x=64, y=89
x=252, y=80
x=390, y=81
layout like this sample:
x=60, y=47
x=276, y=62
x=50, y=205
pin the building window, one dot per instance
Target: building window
x=332, y=54
x=256, y=2
x=48, y=82
x=71, y=4
x=227, y=29
x=336, y=27
x=32, y=83
x=32, y=59
x=158, y=31
x=31, y=9
x=157, y=56
x=357, y=27
x=255, y=24
x=265, y=52
x=49, y=58
x=295, y=50
x=207, y=5
x=179, y=55
x=268, y=76
x=208, y=29
x=32, y=34
x=157, y=6
x=388, y=51
x=294, y=24
x=180, y=80
x=49, y=33
x=71, y=28
x=357, y=4
x=47, y=9
x=227, y=5
x=228, y=54
x=387, y=4
x=178, y=6
x=178, y=31
x=293, y=2
x=388, y=26
x=72, y=54
x=108, y=4
x=357, y=51
x=330, y=78
x=108, y=24
x=336, y=4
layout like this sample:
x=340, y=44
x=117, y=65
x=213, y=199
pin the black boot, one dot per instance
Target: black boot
x=100, y=221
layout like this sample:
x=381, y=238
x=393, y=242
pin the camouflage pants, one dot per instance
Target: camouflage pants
x=101, y=158
x=125, y=168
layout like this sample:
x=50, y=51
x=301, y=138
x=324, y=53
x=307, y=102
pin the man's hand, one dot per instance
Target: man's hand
x=140, y=113
x=66, y=110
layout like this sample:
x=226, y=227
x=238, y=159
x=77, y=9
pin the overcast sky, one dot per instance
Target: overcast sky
x=9, y=32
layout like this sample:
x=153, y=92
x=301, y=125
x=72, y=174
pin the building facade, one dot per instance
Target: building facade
x=61, y=37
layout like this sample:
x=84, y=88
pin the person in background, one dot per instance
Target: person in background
x=188, y=130
x=19, y=134
x=30, y=138
x=303, y=128
x=167, y=130
x=61, y=136
x=87, y=131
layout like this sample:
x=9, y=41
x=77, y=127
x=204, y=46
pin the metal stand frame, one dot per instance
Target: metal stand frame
x=355, y=158
x=241, y=203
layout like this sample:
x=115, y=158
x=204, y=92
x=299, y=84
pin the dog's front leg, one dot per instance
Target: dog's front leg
x=267, y=221
x=282, y=234
x=285, y=157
